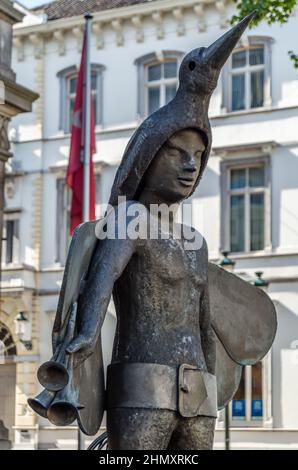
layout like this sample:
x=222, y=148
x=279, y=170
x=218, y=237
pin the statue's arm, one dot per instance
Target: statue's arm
x=108, y=262
x=207, y=333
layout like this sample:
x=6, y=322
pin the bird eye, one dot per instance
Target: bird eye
x=192, y=65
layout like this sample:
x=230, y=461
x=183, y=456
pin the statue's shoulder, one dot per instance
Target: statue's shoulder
x=195, y=239
x=128, y=210
x=120, y=222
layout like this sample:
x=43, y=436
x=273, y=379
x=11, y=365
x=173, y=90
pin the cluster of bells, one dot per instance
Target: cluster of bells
x=58, y=402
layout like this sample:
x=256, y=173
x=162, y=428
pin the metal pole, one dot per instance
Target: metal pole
x=227, y=264
x=227, y=428
x=2, y=179
x=87, y=120
x=87, y=123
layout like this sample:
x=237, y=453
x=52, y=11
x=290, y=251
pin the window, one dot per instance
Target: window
x=247, y=404
x=7, y=345
x=161, y=84
x=63, y=220
x=246, y=206
x=68, y=84
x=157, y=80
x=63, y=236
x=247, y=76
x=11, y=241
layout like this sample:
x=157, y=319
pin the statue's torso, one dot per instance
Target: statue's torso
x=157, y=300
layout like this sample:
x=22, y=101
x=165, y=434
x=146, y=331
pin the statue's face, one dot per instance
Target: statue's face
x=175, y=168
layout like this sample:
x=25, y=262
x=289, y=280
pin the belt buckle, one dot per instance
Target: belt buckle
x=192, y=391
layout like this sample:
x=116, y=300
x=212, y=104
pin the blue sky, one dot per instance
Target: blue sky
x=33, y=3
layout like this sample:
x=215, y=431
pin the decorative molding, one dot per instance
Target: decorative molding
x=18, y=44
x=98, y=32
x=37, y=220
x=77, y=31
x=157, y=9
x=264, y=148
x=4, y=140
x=59, y=37
x=10, y=188
x=158, y=20
x=115, y=18
x=199, y=12
x=118, y=28
x=37, y=41
x=39, y=80
x=221, y=7
x=137, y=22
x=179, y=17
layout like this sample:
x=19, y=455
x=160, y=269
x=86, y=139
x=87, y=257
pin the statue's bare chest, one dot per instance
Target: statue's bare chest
x=172, y=262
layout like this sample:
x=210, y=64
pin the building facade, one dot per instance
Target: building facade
x=245, y=203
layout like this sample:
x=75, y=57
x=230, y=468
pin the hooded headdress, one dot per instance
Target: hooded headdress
x=198, y=77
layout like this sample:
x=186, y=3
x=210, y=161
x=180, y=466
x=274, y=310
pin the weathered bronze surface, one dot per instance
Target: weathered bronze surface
x=182, y=323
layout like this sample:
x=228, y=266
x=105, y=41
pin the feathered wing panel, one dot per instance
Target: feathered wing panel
x=90, y=372
x=244, y=321
x=228, y=375
x=243, y=316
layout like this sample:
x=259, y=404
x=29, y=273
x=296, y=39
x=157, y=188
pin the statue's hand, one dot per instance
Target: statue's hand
x=82, y=346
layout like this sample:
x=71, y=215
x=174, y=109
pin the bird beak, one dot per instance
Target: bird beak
x=218, y=53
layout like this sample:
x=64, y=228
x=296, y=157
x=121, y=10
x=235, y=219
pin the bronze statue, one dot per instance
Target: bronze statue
x=185, y=327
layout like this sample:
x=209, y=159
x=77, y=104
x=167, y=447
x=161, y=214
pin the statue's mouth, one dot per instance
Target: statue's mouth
x=186, y=180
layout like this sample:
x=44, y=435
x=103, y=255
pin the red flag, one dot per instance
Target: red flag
x=75, y=171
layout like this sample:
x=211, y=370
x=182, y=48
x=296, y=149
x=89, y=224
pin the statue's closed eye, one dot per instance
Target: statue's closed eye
x=173, y=151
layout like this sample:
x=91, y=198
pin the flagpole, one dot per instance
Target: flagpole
x=87, y=133
x=87, y=119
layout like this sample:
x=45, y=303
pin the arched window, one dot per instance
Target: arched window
x=247, y=75
x=68, y=84
x=157, y=80
x=7, y=345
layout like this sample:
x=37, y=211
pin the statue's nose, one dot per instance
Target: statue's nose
x=191, y=164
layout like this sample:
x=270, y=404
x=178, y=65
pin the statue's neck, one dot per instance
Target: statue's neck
x=199, y=101
x=152, y=201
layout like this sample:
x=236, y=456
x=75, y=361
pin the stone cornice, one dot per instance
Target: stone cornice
x=264, y=148
x=18, y=99
x=9, y=13
x=120, y=14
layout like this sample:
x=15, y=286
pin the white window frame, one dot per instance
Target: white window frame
x=62, y=220
x=247, y=71
x=68, y=97
x=266, y=419
x=65, y=76
x=63, y=208
x=142, y=64
x=16, y=250
x=161, y=84
x=226, y=192
x=251, y=42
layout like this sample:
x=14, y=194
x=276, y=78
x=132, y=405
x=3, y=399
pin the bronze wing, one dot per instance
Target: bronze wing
x=244, y=321
x=90, y=373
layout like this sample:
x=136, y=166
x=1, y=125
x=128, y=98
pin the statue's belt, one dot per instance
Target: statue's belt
x=185, y=389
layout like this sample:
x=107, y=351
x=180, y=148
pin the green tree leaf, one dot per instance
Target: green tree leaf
x=271, y=11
